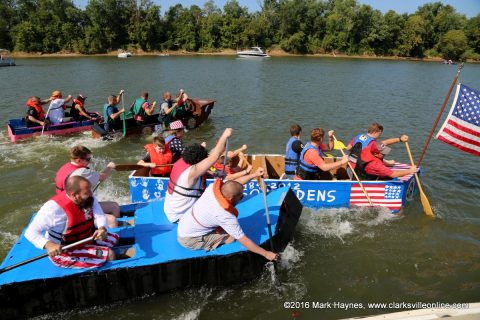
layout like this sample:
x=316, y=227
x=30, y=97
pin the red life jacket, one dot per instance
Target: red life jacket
x=38, y=109
x=159, y=158
x=62, y=175
x=220, y=167
x=178, y=168
x=80, y=224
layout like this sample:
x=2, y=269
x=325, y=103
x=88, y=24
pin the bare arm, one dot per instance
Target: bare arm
x=402, y=138
x=151, y=110
x=244, y=179
x=203, y=166
x=337, y=164
x=107, y=171
x=250, y=245
x=401, y=173
x=36, y=120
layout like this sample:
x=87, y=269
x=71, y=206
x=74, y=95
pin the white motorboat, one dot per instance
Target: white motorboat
x=254, y=52
x=124, y=54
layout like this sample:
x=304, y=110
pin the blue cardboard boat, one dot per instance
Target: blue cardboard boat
x=341, y=192
x=159, y=265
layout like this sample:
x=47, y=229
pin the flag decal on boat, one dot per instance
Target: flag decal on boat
x=389, y=196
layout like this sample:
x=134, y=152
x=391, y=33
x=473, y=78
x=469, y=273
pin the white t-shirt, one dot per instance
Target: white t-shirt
x=56, y=112
x=209, y=215
x=176, y=205
x=52, y=217
x=89, y=174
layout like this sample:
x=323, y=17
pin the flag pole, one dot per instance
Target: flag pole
x=427, y=142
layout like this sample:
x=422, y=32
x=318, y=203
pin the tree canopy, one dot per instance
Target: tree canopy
x=296, y=26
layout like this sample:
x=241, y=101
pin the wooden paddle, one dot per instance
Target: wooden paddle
x=427, y=209
x=124, y=116
x=73, y=245
x=356, y=176
x=130, y=167
x=45, y=120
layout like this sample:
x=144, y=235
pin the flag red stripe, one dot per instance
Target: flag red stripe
x=463, y=128
x=456, y=145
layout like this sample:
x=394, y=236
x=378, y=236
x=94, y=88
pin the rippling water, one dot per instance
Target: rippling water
x=338, y=255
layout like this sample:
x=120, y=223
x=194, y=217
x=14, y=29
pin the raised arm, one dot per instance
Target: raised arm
x=402, y=138
x=203, y=166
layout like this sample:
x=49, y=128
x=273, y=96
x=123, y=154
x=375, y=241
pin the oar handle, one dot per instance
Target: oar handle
x=45, y=255
x=356, y=176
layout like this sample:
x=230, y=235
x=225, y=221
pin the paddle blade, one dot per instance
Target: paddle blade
x=338, y=145
x=426, y=205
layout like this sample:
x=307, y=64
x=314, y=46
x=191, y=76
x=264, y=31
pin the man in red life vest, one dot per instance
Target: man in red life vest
x=199, y=227
x=78, y=111
x=158, y=158
x=67, y=218
x=372, y=167
x=80, y=157
x=35, y=113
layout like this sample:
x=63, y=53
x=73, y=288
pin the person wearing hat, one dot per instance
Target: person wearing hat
x=56, y=109
x=78, y=111
x=175, y=139
x=371, y=164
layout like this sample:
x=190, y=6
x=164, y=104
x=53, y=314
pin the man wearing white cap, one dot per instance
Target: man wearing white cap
x=175, y=140
x=372, y=167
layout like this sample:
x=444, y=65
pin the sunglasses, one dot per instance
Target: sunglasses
x=87, y=159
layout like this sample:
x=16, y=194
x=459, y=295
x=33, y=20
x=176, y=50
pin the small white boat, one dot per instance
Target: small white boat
x=124, y=54
x=254, y=52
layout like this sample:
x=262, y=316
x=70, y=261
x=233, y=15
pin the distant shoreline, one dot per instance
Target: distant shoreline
x=272, y=53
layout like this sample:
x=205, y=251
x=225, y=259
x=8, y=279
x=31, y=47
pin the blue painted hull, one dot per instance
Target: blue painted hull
x=160, y=264
x=312, y=194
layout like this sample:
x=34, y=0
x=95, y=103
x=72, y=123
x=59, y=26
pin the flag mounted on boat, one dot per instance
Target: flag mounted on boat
x=462, y=126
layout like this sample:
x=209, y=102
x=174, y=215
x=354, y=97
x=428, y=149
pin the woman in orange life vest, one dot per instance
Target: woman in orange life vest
x=78, y=111
x=35, y=113
x=158, y=153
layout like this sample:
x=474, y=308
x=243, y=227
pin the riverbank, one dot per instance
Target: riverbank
x=227, y=52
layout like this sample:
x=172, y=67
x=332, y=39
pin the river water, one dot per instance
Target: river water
x=339, y=255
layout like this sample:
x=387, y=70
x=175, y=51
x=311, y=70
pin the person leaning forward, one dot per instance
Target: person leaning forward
x=371, y=165
x=311, y=164
x=67, y=218
x=198, y=229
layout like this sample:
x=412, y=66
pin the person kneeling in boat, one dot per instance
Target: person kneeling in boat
x=213, y=221
x=158, y=158
x=35, y=114
x=56, y=109
x=78, y=111
x=67, y=218
x=292, y=151
x=141, y=108
x=371, y=165
x=188, y=177
x=311, y=164
x=80, y=157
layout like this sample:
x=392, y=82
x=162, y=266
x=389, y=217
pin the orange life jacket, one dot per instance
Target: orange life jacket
x=159, y=158
x=80, y=224
x=38, y=109
x=224, y=203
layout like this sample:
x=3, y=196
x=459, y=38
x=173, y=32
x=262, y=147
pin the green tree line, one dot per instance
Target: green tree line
x=296, y=26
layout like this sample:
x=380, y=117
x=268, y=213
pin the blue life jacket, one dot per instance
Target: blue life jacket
x=360, y=142
x=291, y=157
x=308, y=171
x=109, y=122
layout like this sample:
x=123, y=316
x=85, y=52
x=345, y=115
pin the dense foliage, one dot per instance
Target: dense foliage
x=296, y=26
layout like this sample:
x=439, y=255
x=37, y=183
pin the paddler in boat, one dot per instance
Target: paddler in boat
x=212, y=221
x=78, y=111
x=158, y=158
x=80, y=158
x=56, y=109
x=311, y=165
x=371, y=164
x=174, y=139
x=167, y=107
x=35, y=113
x=141, y=108
x=293, y=149
x=111, y=114
x=230, y=171
x=366, y=140
x=69, y=217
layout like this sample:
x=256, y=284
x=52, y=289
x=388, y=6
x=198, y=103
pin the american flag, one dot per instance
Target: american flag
x=381, y=194
x=462, y=126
